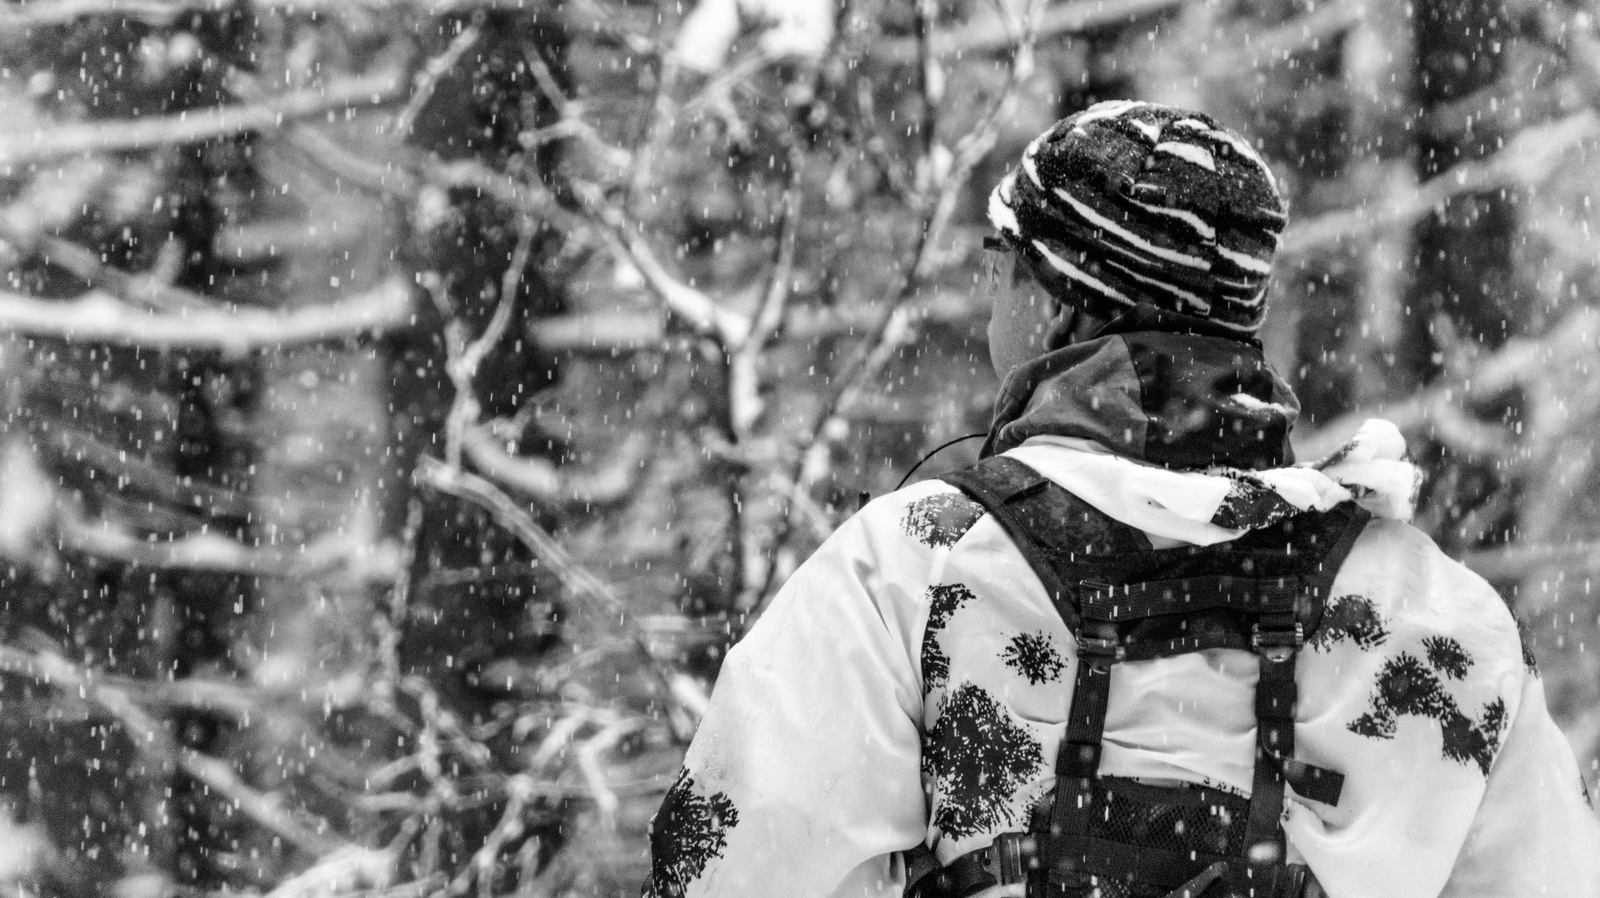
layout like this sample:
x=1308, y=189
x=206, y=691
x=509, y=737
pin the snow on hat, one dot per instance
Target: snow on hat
x=1130, y=201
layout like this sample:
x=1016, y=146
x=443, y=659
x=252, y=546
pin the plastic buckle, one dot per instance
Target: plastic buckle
x=1011, y=856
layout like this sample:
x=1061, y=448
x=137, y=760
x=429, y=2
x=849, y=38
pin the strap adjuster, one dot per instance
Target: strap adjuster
x=1277, y=642
x=1101, y=649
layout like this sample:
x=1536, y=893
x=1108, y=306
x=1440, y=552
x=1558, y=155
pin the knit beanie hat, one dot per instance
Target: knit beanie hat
x=1129, y=202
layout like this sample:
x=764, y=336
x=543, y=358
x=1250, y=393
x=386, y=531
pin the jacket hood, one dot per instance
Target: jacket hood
x=1158, y=387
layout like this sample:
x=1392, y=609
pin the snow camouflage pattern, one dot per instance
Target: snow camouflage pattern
x=837, y=747
x=979, y=759
x=885, y=698
x=1349, y=618
x=943, y=601
x=941, y=520
x=1033, y=656
x=1410, y=686
x=687, y=833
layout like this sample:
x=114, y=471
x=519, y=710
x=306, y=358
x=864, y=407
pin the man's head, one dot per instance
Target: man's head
x=1125, y=203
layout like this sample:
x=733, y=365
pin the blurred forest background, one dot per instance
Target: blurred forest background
x=406, y=402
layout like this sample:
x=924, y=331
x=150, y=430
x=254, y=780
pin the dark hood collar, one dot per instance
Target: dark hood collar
x=1158, y=387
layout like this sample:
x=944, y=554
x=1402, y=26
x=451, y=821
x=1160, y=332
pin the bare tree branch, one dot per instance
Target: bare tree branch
x=150, y=736
x=465, y=358
x=591, y=590
x=992, y=34
x=329, y=556
x=1254, y=49
x=1443, y=408
x=427, y=80
x=607, y=332
x=699, y=311
x=121, y=470
x=75, y=138
x=744, y=398
x=98, y=317
x=39, y=13
x=553, y=485
x=1527, y=159
x=147, y=288
x=894, y=326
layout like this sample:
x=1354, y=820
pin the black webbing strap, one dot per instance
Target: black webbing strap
x=1078, y=757
x=1277, y=638
x=1313, y=782
x=1200, y=882
x=996, y=484
x=1136, y=601
x=1284, y=607
x=922, y=866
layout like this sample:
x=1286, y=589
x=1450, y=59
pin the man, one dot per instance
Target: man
x=1298, y=694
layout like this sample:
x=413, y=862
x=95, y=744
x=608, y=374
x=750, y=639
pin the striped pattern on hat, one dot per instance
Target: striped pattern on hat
x=1130, y=201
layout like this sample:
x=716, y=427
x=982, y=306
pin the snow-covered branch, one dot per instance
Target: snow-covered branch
x=336, y=555
x=1526, y=160
x=551, y=484
x=992, y=32
x=152, y=737
x=75, y=138
x=590, y=590
x=99, y=317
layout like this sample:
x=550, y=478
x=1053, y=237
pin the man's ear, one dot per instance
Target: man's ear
x=1070, y=324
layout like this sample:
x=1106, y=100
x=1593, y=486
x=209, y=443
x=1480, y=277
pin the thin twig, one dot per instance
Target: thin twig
x=427, y=80
x=334, y=555
x=931, y=76
x=519, y=789
x=894, y=322
x=1519, y=363
x=697, y=310
x=196, y=125
x=554, y=485
x=399, y=177
x=589, y=754
x=596, y=595
x=694, y=307
x=149, y=735
x=744, y=399
x=991, y=34
x=465, y=358
x=1527, y=159
x=151, y=289
x=609, y=332
x=125, y=472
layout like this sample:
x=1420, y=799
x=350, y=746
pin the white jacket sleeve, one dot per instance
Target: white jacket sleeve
x=804, y=775
x=1535, y=833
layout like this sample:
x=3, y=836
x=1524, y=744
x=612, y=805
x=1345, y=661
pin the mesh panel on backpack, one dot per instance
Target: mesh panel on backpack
x=1171, y=819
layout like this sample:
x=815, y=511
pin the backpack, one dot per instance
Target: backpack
x=1111, y=837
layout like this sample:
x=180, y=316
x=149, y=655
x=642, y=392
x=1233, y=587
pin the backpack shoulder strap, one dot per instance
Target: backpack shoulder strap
x=1043, y=520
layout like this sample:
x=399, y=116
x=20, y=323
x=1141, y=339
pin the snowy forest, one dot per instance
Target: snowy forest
x=408, y=402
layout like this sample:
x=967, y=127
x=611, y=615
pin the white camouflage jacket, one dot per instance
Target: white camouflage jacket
x=910, y=683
